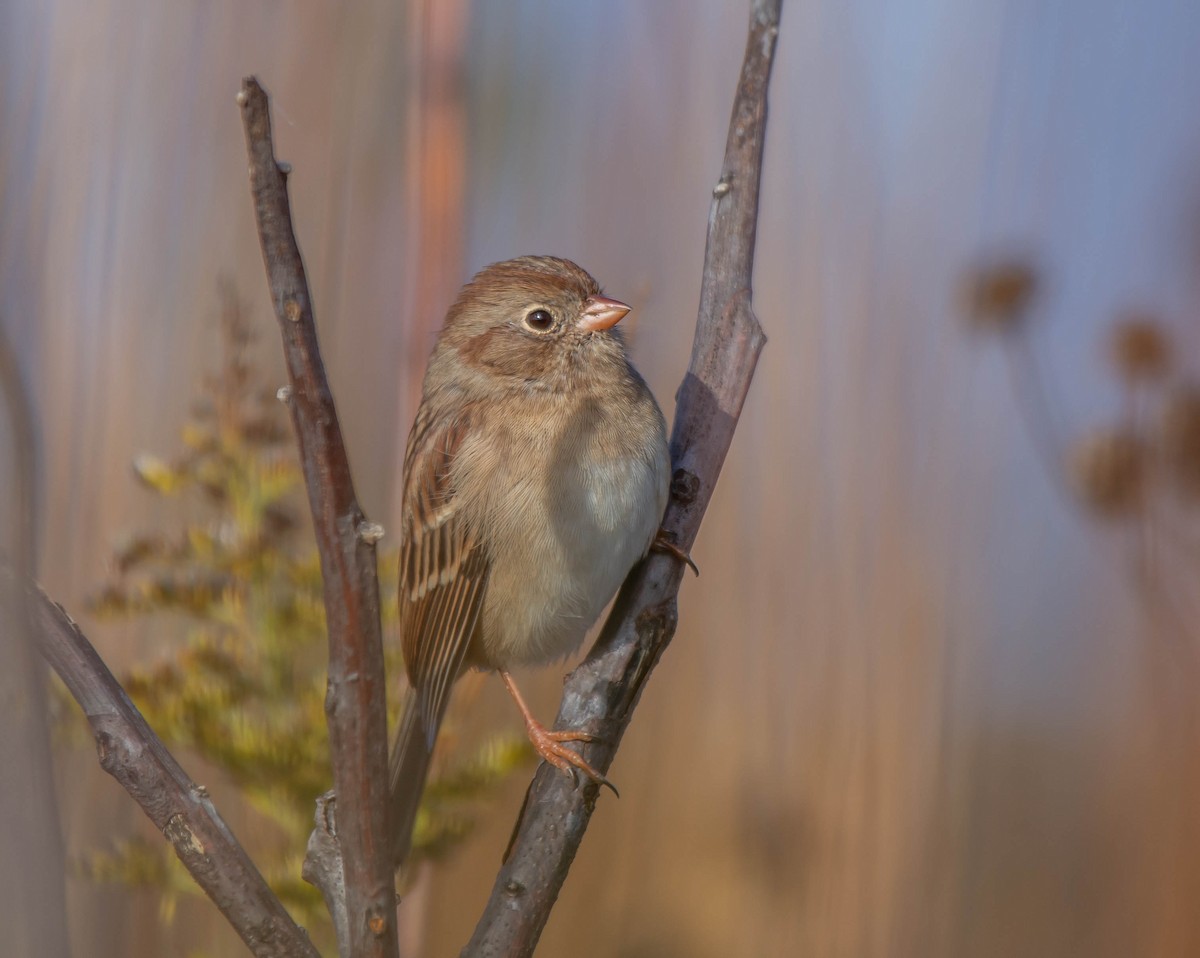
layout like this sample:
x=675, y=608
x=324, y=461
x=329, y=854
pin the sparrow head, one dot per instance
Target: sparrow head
x=533, y=323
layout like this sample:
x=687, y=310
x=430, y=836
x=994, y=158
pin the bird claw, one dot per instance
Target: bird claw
x=549, y=745
x=662, y=543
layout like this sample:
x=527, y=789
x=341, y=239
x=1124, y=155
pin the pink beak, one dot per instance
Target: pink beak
x=600, y=313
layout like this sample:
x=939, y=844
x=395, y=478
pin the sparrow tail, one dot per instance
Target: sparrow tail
x=407, y=770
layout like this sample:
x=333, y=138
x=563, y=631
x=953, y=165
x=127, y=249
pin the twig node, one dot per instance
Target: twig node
x=370, y=532
x=685, y=486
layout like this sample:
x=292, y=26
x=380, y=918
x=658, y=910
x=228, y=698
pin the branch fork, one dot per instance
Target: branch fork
x=348, y=855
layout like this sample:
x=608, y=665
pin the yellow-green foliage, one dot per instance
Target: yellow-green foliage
x=241, y=684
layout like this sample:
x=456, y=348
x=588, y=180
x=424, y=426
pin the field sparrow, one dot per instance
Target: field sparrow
x=535, y=477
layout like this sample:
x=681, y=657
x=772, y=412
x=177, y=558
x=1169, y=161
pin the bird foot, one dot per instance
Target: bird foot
x=662, y=543
x=549, y=745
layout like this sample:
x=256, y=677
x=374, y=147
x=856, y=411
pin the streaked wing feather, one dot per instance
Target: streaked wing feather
x=443, y=569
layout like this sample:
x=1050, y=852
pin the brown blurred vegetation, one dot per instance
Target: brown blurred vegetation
x=932, y=695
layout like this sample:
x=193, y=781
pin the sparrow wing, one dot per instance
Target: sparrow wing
x=443, y=567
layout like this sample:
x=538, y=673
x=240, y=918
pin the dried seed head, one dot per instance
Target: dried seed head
x=1179, y=435
x=1108, y=470
x=998, y=296
x=1140, y=349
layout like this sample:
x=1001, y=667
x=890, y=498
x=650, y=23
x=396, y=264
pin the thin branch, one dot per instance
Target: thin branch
x=601, y=693
x=323, y=867
x=38, y=906
x=355, y=703
x=132, y=754
x=23, y=496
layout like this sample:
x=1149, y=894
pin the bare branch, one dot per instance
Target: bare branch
x=23, y=495
x=355, y=703
x=601, y=693
x=136, y=757
x=32, y=888
x=323, y=866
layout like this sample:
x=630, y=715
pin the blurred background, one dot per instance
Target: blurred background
x=933, y=693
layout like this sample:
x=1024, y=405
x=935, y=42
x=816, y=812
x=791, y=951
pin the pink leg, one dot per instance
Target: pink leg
x=549, y=744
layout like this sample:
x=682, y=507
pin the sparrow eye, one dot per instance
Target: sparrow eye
x=539, y=320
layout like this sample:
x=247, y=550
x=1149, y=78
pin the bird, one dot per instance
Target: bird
x=535, y=477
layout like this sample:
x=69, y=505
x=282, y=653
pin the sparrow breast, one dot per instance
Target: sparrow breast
x=600, y=470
